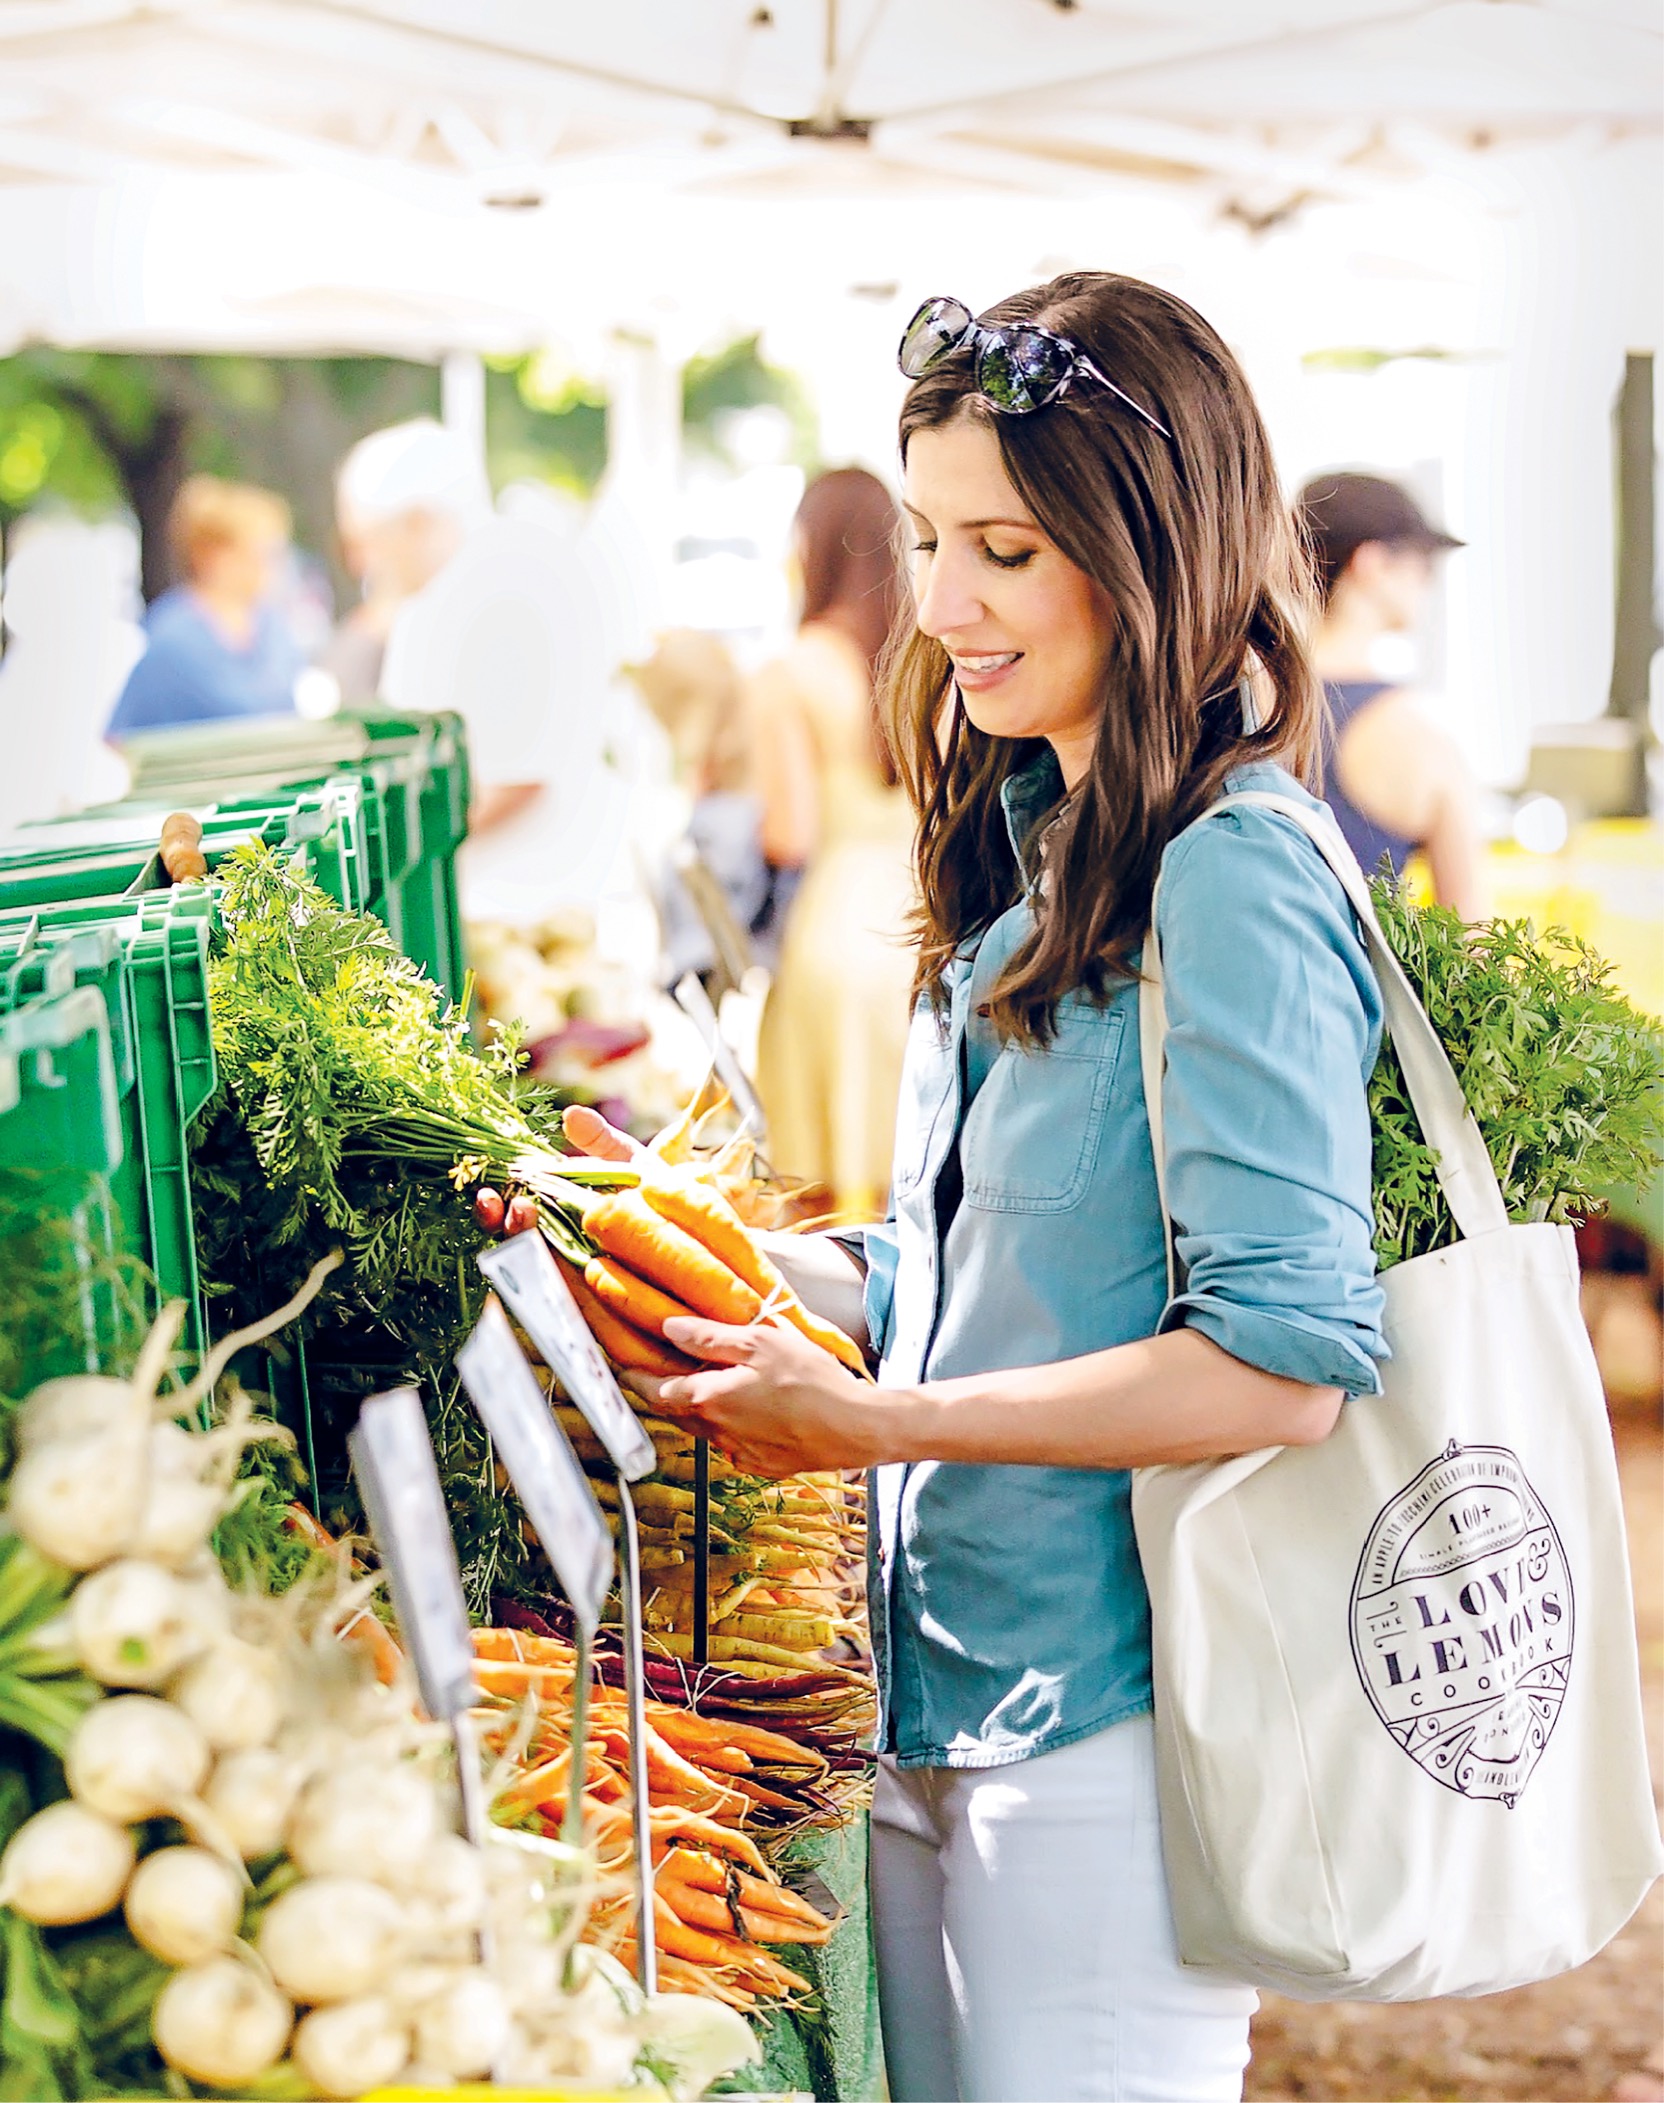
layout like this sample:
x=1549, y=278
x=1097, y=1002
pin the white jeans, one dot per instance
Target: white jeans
x=1025, y=1947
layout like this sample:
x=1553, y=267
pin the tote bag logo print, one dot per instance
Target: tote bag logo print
x=1462, y=1622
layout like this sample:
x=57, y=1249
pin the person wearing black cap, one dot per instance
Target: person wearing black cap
x=1395, y=779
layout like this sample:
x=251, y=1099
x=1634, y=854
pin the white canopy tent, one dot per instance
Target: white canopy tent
x=1472, y=178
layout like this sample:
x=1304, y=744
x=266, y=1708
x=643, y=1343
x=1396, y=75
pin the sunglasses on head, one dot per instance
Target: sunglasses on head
x=1020, y=367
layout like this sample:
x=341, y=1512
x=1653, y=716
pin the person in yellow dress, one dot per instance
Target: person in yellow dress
x=835, y=1027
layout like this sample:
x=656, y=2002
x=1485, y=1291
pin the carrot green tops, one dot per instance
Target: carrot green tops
x=1010, y=1615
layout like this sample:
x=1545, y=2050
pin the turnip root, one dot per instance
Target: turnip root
x=696, y=2040
x=365, y=1818
x=80, y=1405
x=135, y=1757
x=184, y=1904
x=65, y=1864
x=251, y=1794
x=332, y=1938
x=182, y=1507
x=448, y=1883
x=352, y=2047
x=235, y=1694
x=79, y=1501
x=133, y=1623
x=463, y=2028
x=221, y=2022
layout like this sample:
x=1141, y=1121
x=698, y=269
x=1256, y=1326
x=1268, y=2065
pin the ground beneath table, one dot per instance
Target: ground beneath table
x=1597, y=2033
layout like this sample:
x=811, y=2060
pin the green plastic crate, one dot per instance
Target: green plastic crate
x=145, y=960
x=61, y=1148
x=113, y=853
x=414, y=774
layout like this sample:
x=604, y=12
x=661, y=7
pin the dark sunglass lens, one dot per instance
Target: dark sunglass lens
x=935, y=329
x=1022, y=369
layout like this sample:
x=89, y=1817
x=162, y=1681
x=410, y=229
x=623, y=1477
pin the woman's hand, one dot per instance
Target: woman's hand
x=590, y=1133
x=772, y=1401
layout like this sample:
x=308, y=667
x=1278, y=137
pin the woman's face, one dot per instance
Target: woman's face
x=1028, y=632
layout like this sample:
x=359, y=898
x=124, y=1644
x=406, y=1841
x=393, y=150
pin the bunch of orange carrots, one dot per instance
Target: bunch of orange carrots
x=720, y=1910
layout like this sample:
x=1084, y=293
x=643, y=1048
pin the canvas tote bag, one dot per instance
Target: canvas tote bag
x=1397, y=1695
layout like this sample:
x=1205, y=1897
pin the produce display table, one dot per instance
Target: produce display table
x=833, y=2053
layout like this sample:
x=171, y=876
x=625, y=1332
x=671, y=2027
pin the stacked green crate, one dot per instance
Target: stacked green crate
x=144, y=961
x=113, y=853
x=413, y=775
x=64, y=1306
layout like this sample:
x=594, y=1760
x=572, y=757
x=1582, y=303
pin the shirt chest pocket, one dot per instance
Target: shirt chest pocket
x=1031, y=1138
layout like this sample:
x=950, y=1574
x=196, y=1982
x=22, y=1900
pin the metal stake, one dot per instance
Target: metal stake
x=635, y=1697
x=701, y=1551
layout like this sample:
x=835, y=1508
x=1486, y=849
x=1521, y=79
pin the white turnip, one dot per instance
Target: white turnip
x=79, y=1501
x=373, y=1818
x=134, y=1757
x=134, y=1623
x=250, y=1795
x=332, y=1938
x=464, y=2026
x=236, y=1694
x=65, y=1864
x=184, y=1904
x=352, y=2047
x=221, y=2022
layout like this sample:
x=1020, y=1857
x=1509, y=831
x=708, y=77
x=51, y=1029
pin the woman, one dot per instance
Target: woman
x=835, y=1028
x=1101, y=571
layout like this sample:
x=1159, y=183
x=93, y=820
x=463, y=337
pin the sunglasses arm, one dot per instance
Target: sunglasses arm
x=1121, y=395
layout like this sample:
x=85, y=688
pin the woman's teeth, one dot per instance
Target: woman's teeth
x=988, y=664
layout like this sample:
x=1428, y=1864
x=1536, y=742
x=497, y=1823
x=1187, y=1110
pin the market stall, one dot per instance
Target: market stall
x=222, y=1077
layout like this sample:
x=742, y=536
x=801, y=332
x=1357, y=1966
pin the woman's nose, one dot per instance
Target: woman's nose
x=947, y=603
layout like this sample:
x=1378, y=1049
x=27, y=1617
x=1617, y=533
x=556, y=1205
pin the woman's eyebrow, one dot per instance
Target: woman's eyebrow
x=977, y=525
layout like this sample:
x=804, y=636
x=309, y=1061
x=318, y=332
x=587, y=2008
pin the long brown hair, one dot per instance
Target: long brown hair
x=1192, y=542
x=848, y=531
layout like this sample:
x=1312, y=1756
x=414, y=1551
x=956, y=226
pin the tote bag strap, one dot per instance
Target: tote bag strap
x=1466, y=1175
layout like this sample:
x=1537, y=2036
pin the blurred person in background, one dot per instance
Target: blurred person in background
x=1393, y=775
x=215, y=645
x=835, y=1027
x=694, y=690
x=405, y=500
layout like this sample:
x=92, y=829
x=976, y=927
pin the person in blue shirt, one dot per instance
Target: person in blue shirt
x=1107, y=634
x=215, y=646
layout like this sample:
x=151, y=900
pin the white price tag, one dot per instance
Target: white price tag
x=695, y=1003
x=525, y=1273
x=392, y=1457
x=540, y=1462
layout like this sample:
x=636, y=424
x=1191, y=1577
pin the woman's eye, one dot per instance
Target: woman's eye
x=923, y=547
x=1009, y=562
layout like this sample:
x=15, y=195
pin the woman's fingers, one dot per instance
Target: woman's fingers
x=718, y=1343
x=591, y=1134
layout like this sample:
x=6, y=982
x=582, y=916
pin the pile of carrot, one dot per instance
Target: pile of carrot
x=785, y=1567
x=720, y=1909
x=674, y=1245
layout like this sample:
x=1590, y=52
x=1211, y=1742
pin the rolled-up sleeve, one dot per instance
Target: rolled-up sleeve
x=1274, y=1021
x=876, y=1250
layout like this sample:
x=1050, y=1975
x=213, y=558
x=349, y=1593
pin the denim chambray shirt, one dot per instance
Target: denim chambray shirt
x=1009, y=1609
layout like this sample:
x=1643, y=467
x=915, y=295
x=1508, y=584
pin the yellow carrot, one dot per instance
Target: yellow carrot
x=634, y=1300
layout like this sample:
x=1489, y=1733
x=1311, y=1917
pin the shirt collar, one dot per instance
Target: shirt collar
x=1025, y=794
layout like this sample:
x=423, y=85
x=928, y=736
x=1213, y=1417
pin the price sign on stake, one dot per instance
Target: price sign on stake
x=695, y=1003
x=540, y=1462
x=392, y=1456
x=526, y=1275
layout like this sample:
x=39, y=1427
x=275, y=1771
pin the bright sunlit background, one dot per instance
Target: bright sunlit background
x=654, y=257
